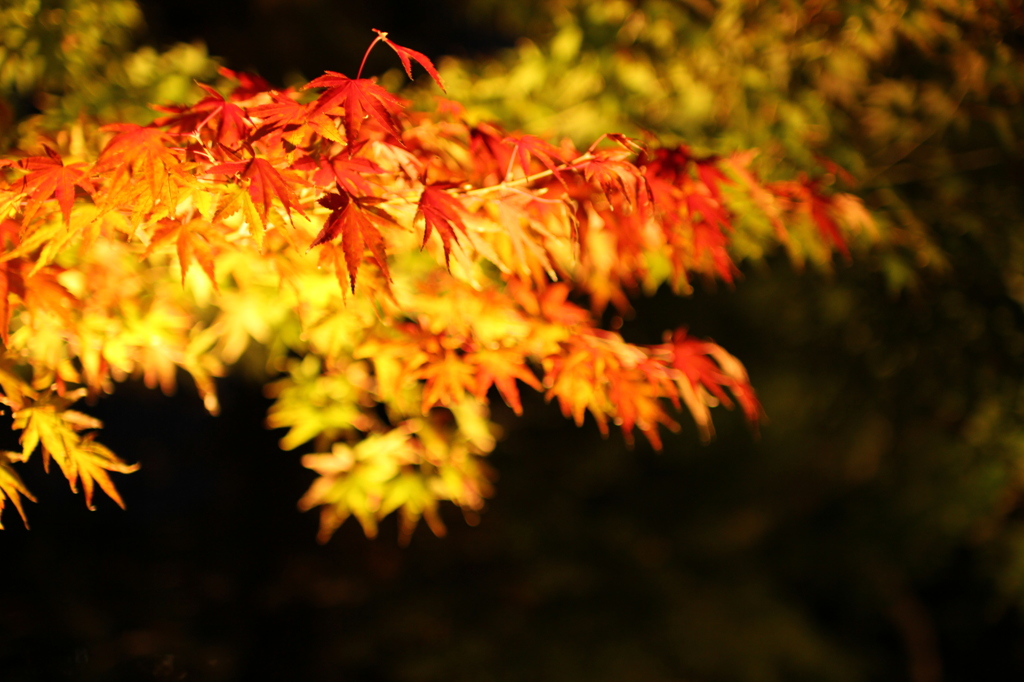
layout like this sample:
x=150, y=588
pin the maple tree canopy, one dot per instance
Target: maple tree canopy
x=396, y=265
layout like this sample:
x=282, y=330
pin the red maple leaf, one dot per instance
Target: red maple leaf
x=348, y=172
x=490, y=157
x=526, y=146
x=710, y=242
x=284, y=115
x=359, y=228
x=711, y=175
x=440, y=211
x=708, y=366
x=227, y=120
x=612, y=171
x=49, y=177
x=249, y=84
x=405, y=54
x=805, y=194
x=821, y=211
x=265, y=182
x=692, y=357
x=359, y=98
x=700, y=201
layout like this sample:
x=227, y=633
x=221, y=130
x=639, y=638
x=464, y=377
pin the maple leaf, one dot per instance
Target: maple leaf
x=705, y=367
x=611, y=170
x=11, y=486
x=501, y=368
x=249, y=84
x=354, y=479
x=359, y=230
x=575, y=378
x=359, y=98
x=448, y=377
x=144, y=169
x=92, y=462
x=405, y=54
x=48, y=422
x=293, y=120
x=597, y=371
x=11, y=282
x=636, y=393
x=699, y=200
x=49, y=177
x=821, y=209
x=711, y=175
x=555, y=306
x=440, y=211
x=43, y=291
x=348, y=171
x=806, y=195
x=191, y=244
x=228, y=120
x=490, y=156
x=709, y=242
x=264, y=183
x=526, y=146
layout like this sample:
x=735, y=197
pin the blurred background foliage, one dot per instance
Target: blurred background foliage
x=874, y=531
x=69, y=58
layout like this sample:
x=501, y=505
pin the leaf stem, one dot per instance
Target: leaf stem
x=380, y=36
x=528, y=179
x=507, y=184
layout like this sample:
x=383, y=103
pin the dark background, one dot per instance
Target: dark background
x=752, y=558
x=277, y=38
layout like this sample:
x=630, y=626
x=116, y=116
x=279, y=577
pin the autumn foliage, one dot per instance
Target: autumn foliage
x=395, y=265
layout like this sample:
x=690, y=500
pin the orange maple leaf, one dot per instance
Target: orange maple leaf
x=359, y=230
x=447, y=378
x=143, y=166
x=191, y=244
x=440, y=211
x=49, y=177
x=11, y=282
x=136, y=147
x=501, y=368
x=636, y=393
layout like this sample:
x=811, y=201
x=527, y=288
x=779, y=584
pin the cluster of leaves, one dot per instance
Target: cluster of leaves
x=895, y=92
x=915, y=432
x=312, y=220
